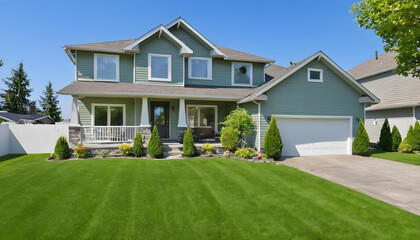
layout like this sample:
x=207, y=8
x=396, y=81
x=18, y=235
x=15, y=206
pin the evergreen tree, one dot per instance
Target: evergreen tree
x=1, y=63
x=188, y=147
x=138, y=149
x=396, y=138
x=16, y=97
x=272, y=141
x=410, y=138
x=49, y=103
x=416, y=139
x=154, y=146
x=385, y=139
x=361, y=143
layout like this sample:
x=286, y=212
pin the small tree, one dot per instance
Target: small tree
x=410, y=138
x=385, y=140
x=188, y=147
x=62, y=149
x=241, y=121
x=154, y=146
x=272, y=141
x=229, y=139
x=361, y=143
x=396, y=138
x=415, y=141
x=49, y=103
x=138, y=149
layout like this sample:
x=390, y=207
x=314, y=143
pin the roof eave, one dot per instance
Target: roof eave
x=249, y=60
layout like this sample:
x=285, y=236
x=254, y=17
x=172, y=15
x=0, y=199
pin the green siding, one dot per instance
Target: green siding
x=198, y=47
x=159, y=46
x=296, y=96
x=85, y=65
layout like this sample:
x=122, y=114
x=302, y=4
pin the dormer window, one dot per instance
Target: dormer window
x=106, y=67
x=160, y=67
x=241, y=74
x=315, y=75
x=199, y=68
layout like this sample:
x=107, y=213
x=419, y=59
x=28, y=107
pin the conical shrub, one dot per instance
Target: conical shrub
x=396, y=138
x=361, y=143
x=385, y=140
x=272, y=141
x=416, y=144
x=62, y=150
x=138, y=149
x=411, y=137
x=188, y=147
x=154, y=146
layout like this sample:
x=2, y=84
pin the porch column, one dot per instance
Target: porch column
x=74, y=120
x=144, y=119
x=182, y=120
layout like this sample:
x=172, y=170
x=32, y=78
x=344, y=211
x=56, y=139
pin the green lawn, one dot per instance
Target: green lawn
x=410, y=158
x=215, y=198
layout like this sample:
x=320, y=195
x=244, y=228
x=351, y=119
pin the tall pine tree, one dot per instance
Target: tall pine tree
x=49, y=103
x=16, y=97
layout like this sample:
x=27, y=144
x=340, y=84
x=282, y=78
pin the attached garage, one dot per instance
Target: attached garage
x=304, y=135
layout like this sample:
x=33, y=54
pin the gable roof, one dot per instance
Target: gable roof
x=235, y=55
x=16, y=117
x=385, y=62
x=280, y=75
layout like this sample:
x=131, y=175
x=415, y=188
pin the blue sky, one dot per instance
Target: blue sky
x=34, y=31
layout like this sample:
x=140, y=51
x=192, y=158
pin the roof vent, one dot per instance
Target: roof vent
x=376, y=55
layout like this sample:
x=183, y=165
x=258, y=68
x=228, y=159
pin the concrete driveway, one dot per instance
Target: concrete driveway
x=392, y=182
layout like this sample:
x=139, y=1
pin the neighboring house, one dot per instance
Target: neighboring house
x=399, y=95
x=34, y=118
x=173, y=77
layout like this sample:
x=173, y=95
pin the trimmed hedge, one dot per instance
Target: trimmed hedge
x=229, y=139
x=272, y=141
x=188, y=147
x=385, y=140
x=154, y=146
x=396, y=138
x=138, y=149
x=62, y=150
x=361, y=143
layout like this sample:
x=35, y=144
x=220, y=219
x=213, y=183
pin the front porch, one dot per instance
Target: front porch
x=98, y=120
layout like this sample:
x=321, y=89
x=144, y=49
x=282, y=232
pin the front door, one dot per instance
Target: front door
x=160, y=118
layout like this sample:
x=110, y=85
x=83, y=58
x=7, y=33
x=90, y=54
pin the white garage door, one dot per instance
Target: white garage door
x=315, y=135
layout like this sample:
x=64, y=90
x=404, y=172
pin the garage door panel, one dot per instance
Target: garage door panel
x=311, y=136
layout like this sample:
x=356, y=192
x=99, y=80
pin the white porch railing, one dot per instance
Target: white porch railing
x=107, y=134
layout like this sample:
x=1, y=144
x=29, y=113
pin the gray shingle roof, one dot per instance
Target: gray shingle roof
x=385, y=61
x=15, y=117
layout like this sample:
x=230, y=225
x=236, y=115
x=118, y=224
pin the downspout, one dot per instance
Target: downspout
x=259, y=124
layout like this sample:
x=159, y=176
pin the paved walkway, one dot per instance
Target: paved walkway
x=392, y=182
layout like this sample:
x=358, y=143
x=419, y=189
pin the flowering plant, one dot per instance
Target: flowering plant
x=81, y=151
x=245, y=152
x=261, y=154
x=208, y=148
x=125, y=149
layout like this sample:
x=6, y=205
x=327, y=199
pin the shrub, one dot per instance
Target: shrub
x=396, y=138
x=138, y=149
x=62, y=150
x=411, y=137
x=361, y=143
x=125, y=149
x=154, y=146
x=81, y=151
x=245, y=152
x=272, y=141
x=103, y=153
x=229, y=139
x=416, y=137
x=208, y=148
x=385, y=139
x=261, y=154
x=241, y=122
x=188, y=147
x=405, y=147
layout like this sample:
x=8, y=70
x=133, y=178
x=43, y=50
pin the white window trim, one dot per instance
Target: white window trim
x=216, y=130
x=233, y=74
x=321, y=75
x=93, y=105
x=95, y=77
x=169, y=79
x=209, y=68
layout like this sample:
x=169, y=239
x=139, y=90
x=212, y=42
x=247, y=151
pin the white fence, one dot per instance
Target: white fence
x=30, y=138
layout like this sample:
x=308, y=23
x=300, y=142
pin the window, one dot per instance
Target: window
x=203, y=116
x=199, y=68
x=106, y=67
x=242, y=74
x=159, y=67
x=108, y=115
x=315, y=75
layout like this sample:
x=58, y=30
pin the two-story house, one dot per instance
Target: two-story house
x=173, y=77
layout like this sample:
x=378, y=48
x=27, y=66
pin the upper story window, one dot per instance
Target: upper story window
x=241, y=74
x=315, y=75
x=199, y=68
x=107, y=67
x=159, y=67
